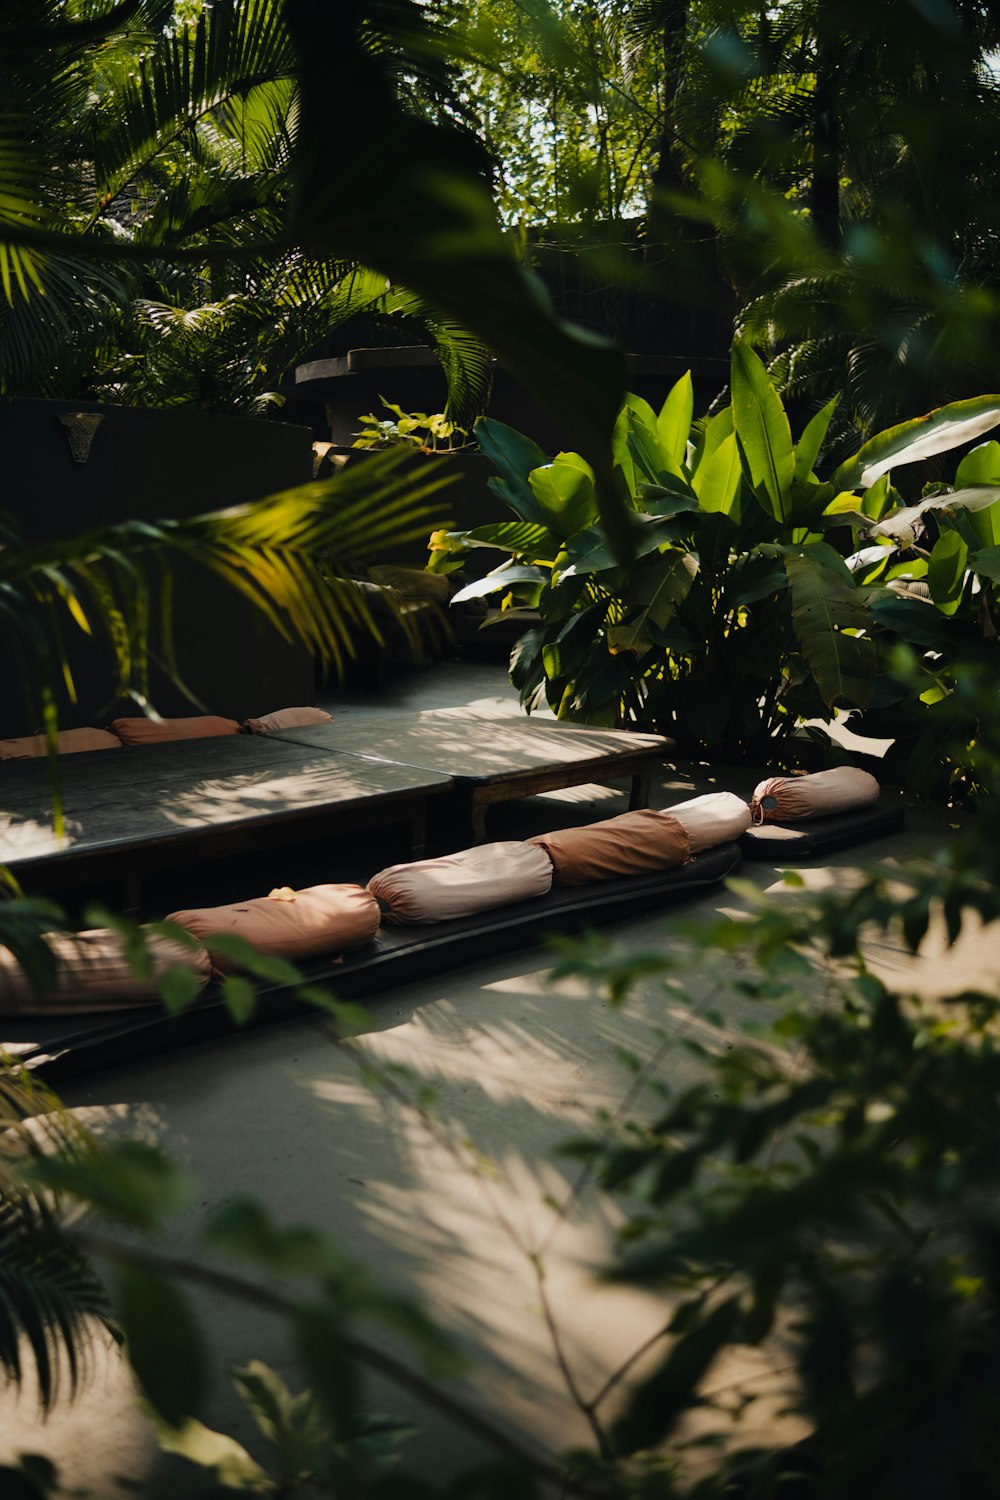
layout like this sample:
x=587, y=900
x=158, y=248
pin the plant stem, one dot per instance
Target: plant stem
x=385, y=1364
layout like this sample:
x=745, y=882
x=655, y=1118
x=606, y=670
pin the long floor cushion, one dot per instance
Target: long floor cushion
x=788, y=843
x=398, y=955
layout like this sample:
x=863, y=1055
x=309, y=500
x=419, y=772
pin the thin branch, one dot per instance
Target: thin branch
x=385, y=1364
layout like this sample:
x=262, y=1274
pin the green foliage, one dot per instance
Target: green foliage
x=737, y=617
x=51, y=1300
x=292, y=554
x=215, y=152
x=428, y=433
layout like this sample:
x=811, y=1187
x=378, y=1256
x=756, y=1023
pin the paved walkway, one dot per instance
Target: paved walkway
x=519, y=1064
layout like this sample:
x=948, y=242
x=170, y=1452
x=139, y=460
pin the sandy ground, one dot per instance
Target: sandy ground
x=520, y=1063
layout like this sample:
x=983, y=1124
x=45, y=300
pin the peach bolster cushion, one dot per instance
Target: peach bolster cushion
x=713, y=819
x=789, y=798
x=293, y=924
x=95, y=974
x=636, y=843
x=68, y=742
x=142, y=731
x=286, y=718
x=456, y=885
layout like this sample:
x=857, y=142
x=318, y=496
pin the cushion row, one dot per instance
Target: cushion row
x=95, y=974
x=138, y=730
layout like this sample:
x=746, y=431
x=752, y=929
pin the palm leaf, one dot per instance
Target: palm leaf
x=49, y=1295
x=291, y=554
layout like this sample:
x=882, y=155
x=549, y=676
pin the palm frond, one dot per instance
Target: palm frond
x=236, y=45
x=50, y=1297
x=269, y=551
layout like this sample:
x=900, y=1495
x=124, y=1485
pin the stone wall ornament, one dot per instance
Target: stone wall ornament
x=80, y=429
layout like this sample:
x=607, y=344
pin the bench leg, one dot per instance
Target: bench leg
x=477, y=819
x=418, y=832
x=639, y=795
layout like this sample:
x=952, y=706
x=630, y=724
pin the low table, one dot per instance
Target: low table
x=130, y=812
x=493, y=757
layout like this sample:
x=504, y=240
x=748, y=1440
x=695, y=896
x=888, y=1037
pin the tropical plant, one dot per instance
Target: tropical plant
x=930, y=573
x=736, y=618
x=50, y=1296
x=428, y=433
x=211, y=145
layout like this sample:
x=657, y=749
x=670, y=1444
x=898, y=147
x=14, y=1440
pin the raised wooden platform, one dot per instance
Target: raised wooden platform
x=494, y=757
x=133, y=811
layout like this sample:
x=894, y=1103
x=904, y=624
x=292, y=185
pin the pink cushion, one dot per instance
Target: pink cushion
x=68, y=742
x=142, y=731
x=291, y=924
x=456, y=885
x=786, y=799
x=636, y=843
x=713, y=819
x=94, y=974
x=287, y=718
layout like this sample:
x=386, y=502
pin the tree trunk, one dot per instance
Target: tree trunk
x=673, y=40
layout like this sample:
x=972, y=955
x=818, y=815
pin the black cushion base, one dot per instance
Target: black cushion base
x=67, y=1047
x=823, y=835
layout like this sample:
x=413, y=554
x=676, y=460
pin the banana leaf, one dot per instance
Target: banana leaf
x=939, y=431
x=824, y=606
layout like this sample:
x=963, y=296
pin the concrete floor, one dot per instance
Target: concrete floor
x=520, y=1063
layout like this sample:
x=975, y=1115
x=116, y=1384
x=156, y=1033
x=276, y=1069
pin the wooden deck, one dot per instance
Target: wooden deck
x=493, y=758
x=157, y=807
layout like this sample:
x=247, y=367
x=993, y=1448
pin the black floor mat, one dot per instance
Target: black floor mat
x=64, y=1047
x=788, y=843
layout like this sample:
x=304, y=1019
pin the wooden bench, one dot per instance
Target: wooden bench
x=134, y=811
x=493, y=758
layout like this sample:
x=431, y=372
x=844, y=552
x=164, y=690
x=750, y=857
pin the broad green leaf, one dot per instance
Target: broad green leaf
x=717, y=479
x=179, y=987
x=715, y=431
x=980, y=466
x=652, y=462
x=525, y=537
x=501, y=579
x=164, y=1342
x=636, y=448
x=513, y=456
x=845, y=504
x=240, y=997
x=673, y=425
x=877, y=498
x=809, y=444
x=913, y=620
x=946, y=571
x=824, y=606
x=588, y=551
x=659, y=592
x=566, y=494
x=986, y=563
x=754, y=578
x=939, y=431
x=763, y=431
